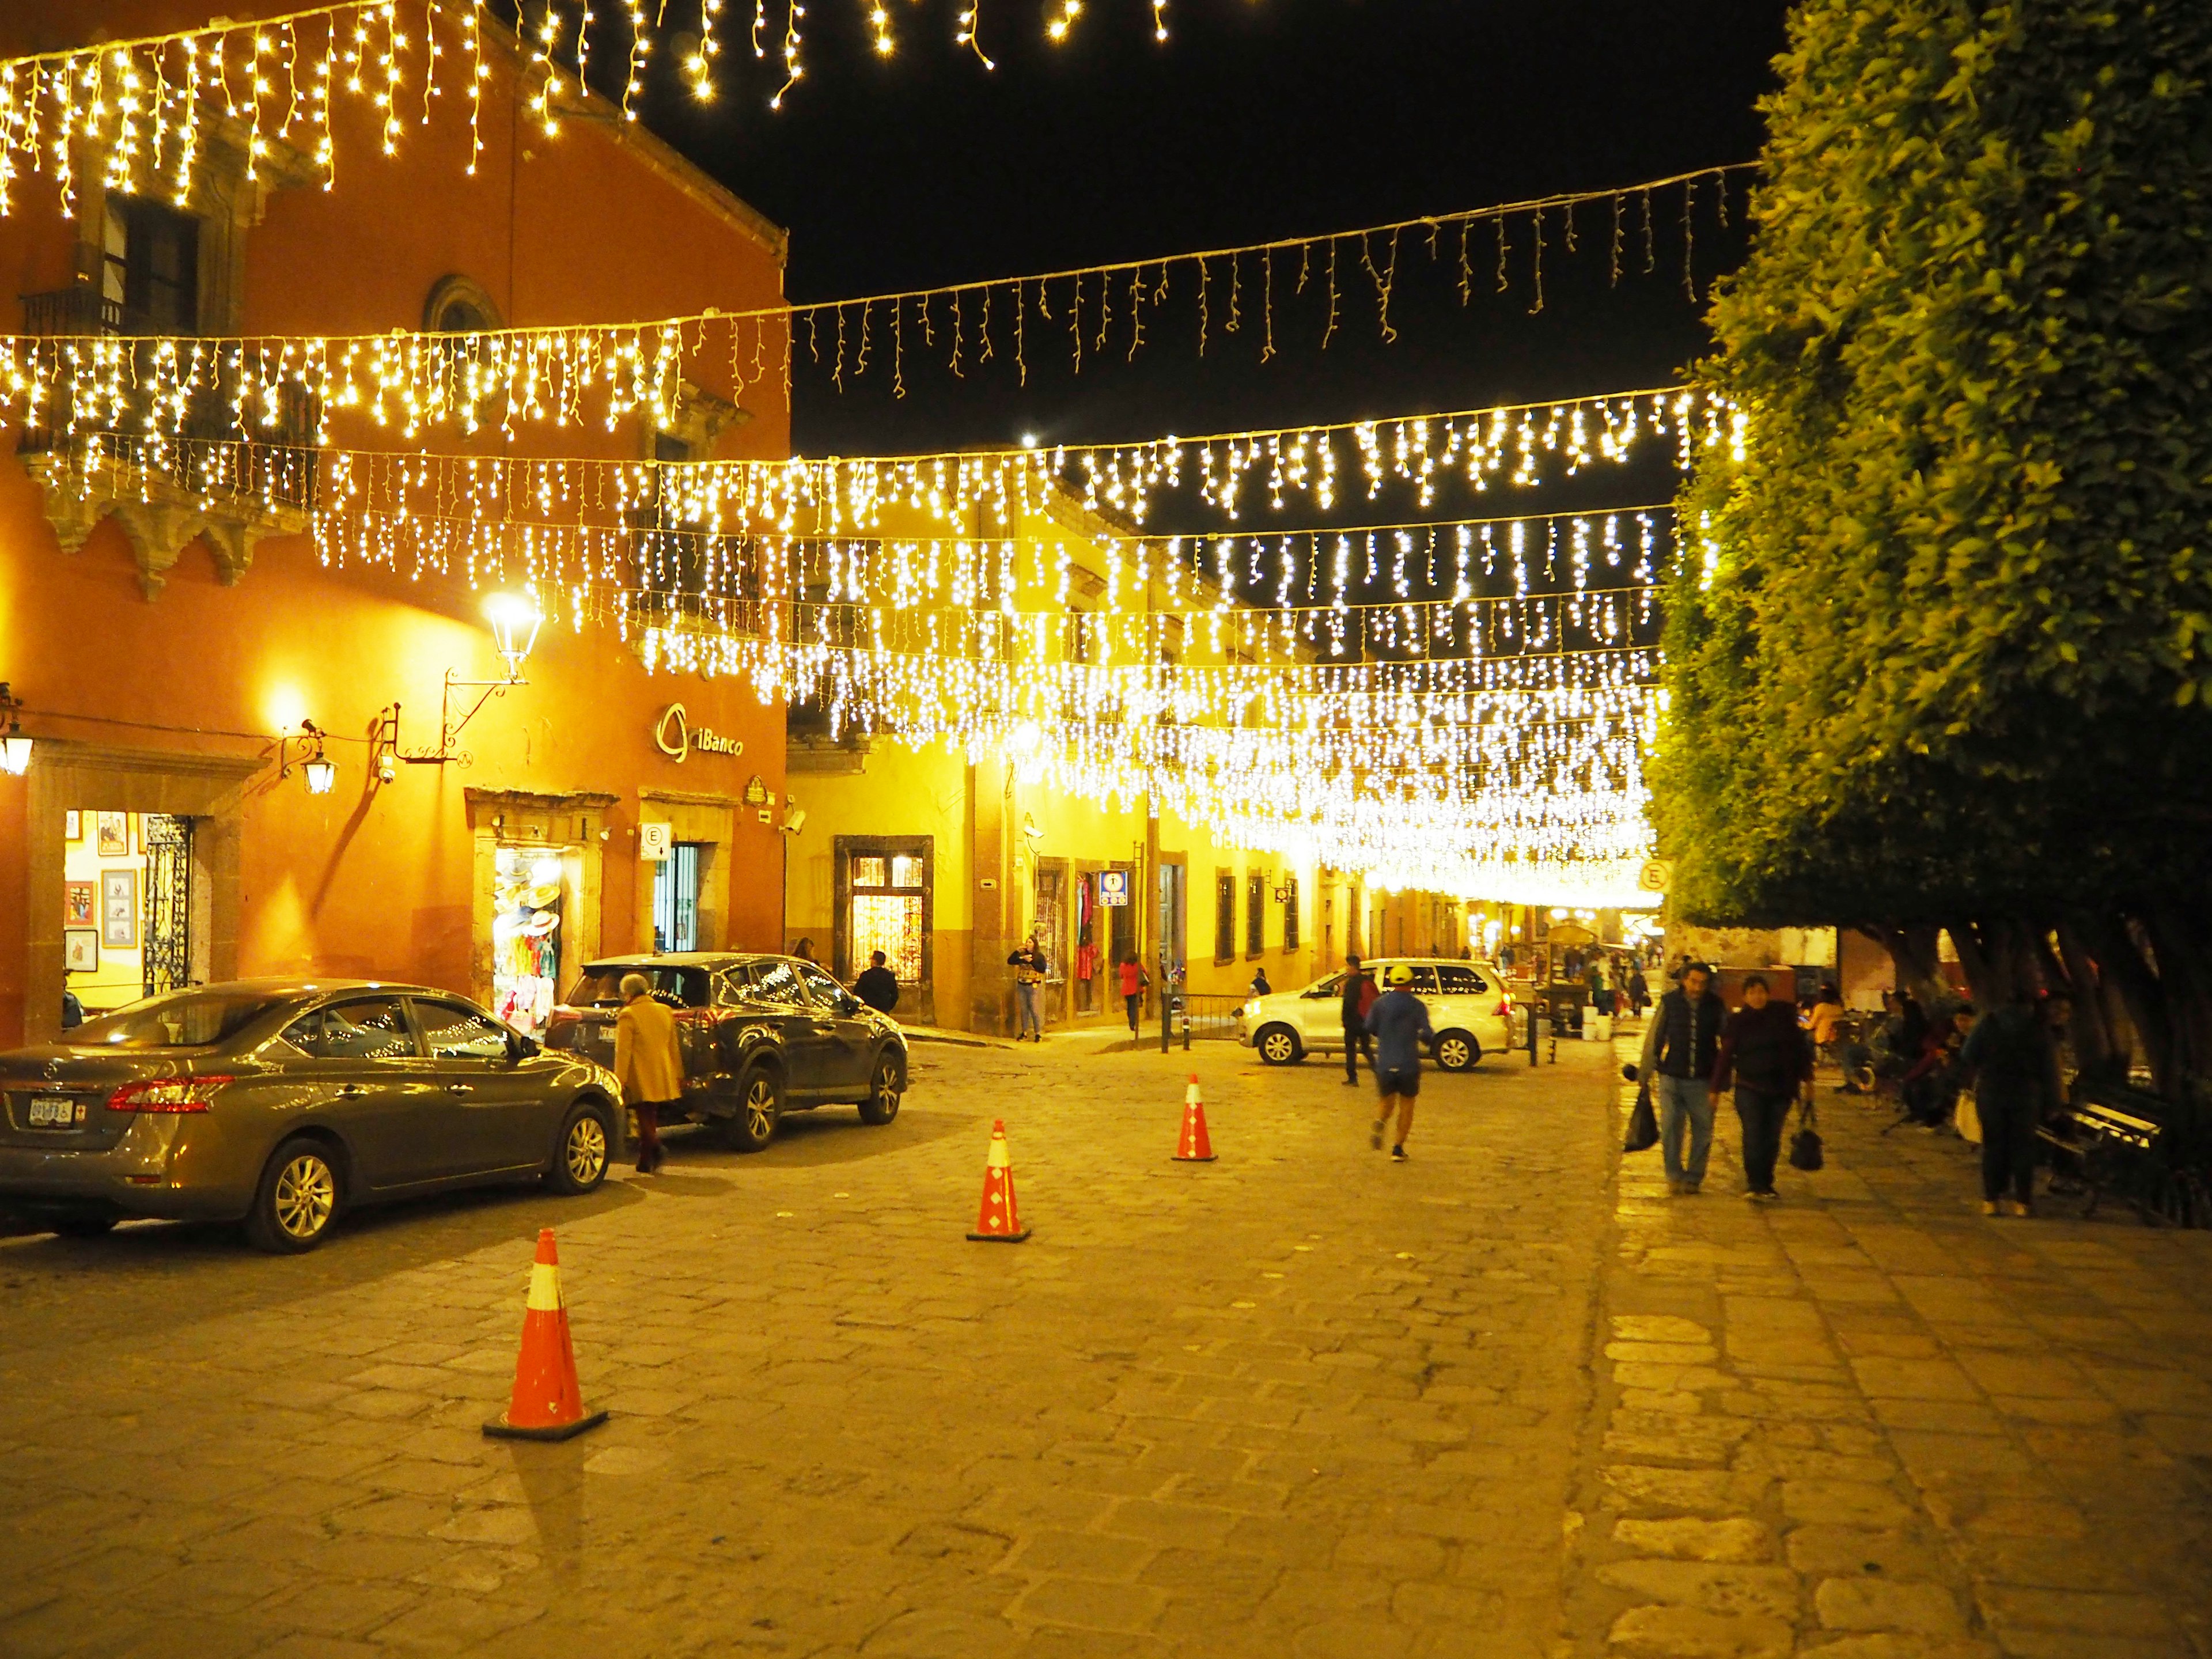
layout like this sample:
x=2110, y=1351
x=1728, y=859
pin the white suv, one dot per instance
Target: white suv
x=1468, y=1008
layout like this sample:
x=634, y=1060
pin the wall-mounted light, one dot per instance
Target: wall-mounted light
x=515, y=620
x=320, y=772
x=15, y=747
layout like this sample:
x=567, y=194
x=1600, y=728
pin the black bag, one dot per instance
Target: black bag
x=1643, y=1124
x=1805, y=1145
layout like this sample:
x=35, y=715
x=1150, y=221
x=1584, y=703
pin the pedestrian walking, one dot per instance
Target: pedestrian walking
x=1825, y=1022
x=1639, y=991
x=1400, y=1025
x=1679, y=1048
x=878, y=986
x=1260, y=986
x=1764, y=1052
x=1134, y=981
x=2013, y=1062
x=1028, y=964
x=1359, y=998
x=648, y=1065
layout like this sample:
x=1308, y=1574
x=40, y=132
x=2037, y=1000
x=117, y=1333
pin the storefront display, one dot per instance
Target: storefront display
x=525, y=935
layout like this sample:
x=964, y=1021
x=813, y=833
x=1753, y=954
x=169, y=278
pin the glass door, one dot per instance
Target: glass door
x=676, y=899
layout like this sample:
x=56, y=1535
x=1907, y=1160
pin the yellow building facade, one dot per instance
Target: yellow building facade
x=948, y=861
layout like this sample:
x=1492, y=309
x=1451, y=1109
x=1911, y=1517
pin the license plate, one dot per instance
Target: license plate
x=56, y=1112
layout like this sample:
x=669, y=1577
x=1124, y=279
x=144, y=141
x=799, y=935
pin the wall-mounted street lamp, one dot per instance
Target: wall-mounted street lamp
x=515, y=620
x=15, y=747
x=320, y=771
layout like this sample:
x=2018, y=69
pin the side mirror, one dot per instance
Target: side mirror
x=1629, y=1072
x=521, y=1048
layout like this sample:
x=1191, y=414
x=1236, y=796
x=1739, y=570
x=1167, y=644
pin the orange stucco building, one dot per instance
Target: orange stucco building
x=162, y=650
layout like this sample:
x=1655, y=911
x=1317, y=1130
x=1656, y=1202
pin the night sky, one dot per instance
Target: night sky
x=1255, y=121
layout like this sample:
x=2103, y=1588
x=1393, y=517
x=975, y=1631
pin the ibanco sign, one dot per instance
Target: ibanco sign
x=677, y=737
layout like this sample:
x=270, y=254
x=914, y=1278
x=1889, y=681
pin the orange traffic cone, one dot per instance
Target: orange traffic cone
x=998, y=1222
x=1195, y=1147
x=546, y=1405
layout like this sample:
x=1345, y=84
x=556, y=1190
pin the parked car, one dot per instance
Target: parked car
x=762, y=1036
x=1469, y=1006
x=282, y=1103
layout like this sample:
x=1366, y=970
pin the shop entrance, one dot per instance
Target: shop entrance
x=676, y=899
x=1051, y=929
x=132, y=926
x=529, y=905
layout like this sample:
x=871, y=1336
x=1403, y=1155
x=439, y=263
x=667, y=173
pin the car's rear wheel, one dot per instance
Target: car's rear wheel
x=883, y=1101
x=81, y=1226
x=760, y=1105
x=1279, y=1045
x=297, y=1199
x=1457, y=1051
x=580, y=1162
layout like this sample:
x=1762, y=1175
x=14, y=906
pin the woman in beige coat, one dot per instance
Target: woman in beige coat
x=649, y=1065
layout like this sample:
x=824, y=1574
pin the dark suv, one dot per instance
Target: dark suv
x=762, y=1036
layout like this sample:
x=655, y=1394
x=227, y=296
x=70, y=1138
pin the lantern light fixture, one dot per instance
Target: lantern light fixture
x=317, y=770
x=15, y=746
x=515, y=620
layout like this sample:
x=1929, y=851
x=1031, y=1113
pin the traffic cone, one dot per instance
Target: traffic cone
x=546, y=1405
x=1195, y=1147
x=998, y=1222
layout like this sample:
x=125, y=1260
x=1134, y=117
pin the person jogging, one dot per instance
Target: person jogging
x=1359, y=998
x=1401, y=1024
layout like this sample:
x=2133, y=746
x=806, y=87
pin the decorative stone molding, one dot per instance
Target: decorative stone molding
x=159, y=519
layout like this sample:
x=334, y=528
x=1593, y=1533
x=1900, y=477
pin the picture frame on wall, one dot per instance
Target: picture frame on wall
x=72, y=825
x=81, y=949
x=118, y=908
x=112, y=834
x=78, y=901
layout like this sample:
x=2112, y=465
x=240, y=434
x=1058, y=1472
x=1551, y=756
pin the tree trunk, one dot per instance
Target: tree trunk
x=2104, y=1040
x=2125, y=966
x=1912, y=952
x=2185, y=979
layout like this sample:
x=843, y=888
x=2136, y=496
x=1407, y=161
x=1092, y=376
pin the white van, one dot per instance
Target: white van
x=1468, y=1008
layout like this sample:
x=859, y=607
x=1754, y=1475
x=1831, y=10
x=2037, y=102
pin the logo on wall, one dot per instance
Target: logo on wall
x=1113, y=887
x=677, y=737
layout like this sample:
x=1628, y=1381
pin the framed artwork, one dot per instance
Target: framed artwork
x=119, y=908
x=72, y=825
x=111, y=834
x=76, y=909
x=81, y=949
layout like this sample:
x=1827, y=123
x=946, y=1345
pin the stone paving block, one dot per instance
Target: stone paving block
x=1088, y=1604
x=1844, y=1503
x=1773, y=1592
x=2008, y=1606
x=1913, y=1379
x=1738, y=1539
x=1886, y=1603
x=1681, y=1632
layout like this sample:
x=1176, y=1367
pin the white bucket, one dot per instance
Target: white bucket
x=1597, y=1028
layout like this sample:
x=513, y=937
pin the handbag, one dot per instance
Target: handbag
x=1967, y=1116
x=1805, y=1145
x=1643, y=1123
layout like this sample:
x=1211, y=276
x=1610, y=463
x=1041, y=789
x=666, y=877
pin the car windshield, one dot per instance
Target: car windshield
x=1326, y=987
x=182, y=1019
x=600, y=986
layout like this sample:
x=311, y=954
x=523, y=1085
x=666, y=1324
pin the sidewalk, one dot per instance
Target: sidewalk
x=1868, y=1424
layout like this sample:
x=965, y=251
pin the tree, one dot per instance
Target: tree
x=1943, y=654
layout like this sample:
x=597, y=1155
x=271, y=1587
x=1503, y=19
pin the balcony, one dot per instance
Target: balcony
x=210, y=482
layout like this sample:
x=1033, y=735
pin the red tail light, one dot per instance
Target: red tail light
x=1505, y=1007
x=167, y=1094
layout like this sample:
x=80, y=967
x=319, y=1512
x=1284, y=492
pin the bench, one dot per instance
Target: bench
x=2133, y=1146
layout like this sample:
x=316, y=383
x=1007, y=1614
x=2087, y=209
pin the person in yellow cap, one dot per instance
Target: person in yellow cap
x=1400, y=1024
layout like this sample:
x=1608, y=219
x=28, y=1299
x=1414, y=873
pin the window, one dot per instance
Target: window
x=457, y=1033
x=886, y=903
x=778, y=982
x=149, y=265
x=1461, y=981
x=183, y=1019
x=1290, y=913
x=1256, y=912
x=676, y=899
x=1424, y=983
x=826, y=992
x=600, y=985
x=1225, y=916
x=371, y=1029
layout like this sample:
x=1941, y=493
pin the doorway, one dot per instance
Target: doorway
x=676, y=899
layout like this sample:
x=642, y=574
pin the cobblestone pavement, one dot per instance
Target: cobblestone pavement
x=1299, y=1401
x=1869, y=1423
x=1507, y=1399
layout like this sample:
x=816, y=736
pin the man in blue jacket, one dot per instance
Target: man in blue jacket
x=1400, y=1025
